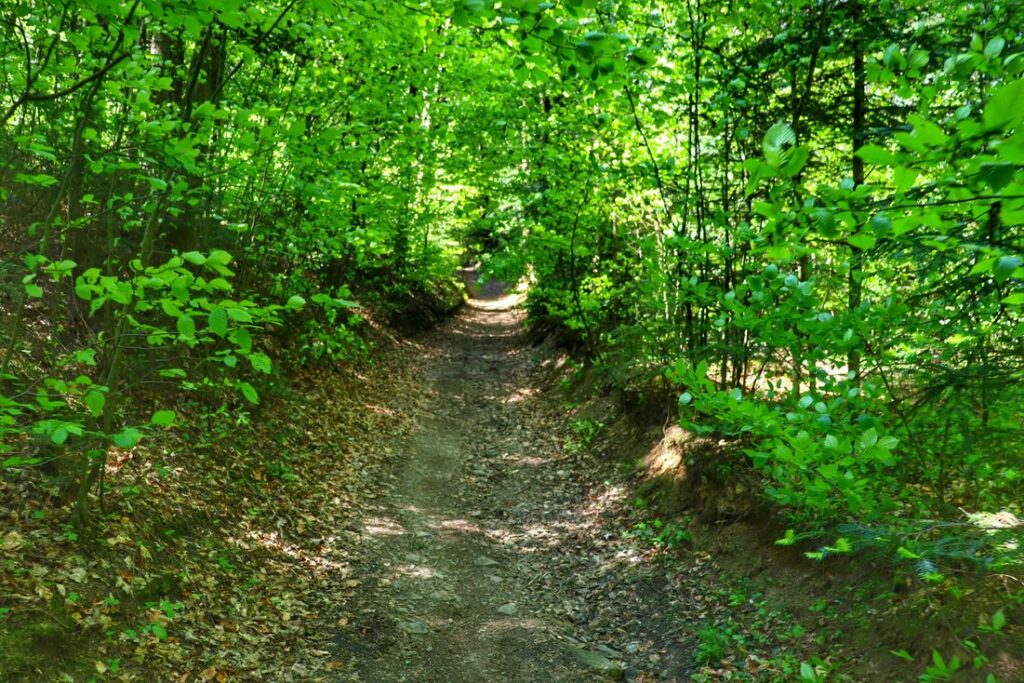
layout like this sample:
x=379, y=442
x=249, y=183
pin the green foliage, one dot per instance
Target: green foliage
x=659, y=534
x=584, y=432
x=712, y=645
x=190, y=189
x=806, y=217
x=835, y=287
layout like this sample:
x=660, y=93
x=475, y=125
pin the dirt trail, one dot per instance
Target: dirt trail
x=480, y=564
x=439, y=598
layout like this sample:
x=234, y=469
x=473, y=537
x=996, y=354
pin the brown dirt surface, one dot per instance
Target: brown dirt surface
x=497, y=553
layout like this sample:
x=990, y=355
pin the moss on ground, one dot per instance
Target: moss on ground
x=39, y=651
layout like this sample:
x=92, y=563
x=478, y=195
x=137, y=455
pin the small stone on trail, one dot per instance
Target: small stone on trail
x=599, y=662
x=443, y=596
x=417, y=627
x=509, y=609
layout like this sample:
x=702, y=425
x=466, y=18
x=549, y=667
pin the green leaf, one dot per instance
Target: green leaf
x=877, y=156
x=779, y=135
x=788, y=539
x=927, y=132
x=34, y=290
x=1005, y=106
x=95, y=399
x=585, y=50
x=158, y=630
x=218, y=322
x=60, y=268
x=19, y=461
x=997, y=175
x=194, y=257
x=862, y=241
x=893, y=56
x=170, y=308
x=998, y=621
x=241, y=338
x=260, y=362
x=220, y=284
x=295, y=301
x=85, y=357
x=249, y=392
x=643, y=57
x=904, y=178
x=887, y=442
x=186, y=327
x=994, y=47
x=40, y=179
x=796, y=161
x=127, y=437
x=1004, y=267
x=218, y=261
x=1016, y=299
x=163, y=418
x=776, y=140
x=983, y=266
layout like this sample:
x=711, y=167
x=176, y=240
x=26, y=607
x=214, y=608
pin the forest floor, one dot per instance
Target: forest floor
x=453, y=512
x=497, y=554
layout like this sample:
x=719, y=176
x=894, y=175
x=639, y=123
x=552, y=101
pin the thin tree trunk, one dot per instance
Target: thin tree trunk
x=855, y=286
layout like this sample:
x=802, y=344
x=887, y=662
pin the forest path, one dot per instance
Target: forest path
x=471, y=570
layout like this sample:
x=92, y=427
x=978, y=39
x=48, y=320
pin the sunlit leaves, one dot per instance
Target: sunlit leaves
x=163, y=418
x=777, y=139
x=780, y=153
x=218, y=322
x=1005, y=106
x=879, y=156
x=95, y=399
x=186, y=326
x=862, y=241
x=997, y=175
x=127, y=437
x=1004, y=267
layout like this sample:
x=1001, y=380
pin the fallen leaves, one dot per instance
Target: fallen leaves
x=251, y=533
x=212, y=674
x=12, y=541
